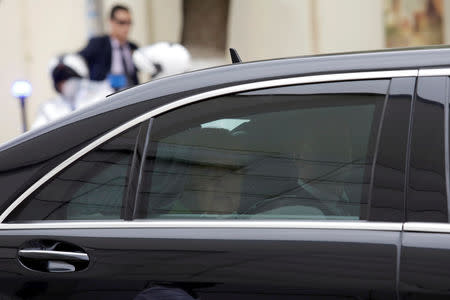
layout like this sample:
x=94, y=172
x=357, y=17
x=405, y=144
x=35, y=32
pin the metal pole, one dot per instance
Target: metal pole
x=24, y=114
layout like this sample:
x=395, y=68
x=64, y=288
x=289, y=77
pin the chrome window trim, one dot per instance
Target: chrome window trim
x=202, y=96
x=247, y=224
x=426, y=227
x=434, y=72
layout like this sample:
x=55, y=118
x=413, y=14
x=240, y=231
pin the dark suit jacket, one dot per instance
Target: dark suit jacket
x=98, y=56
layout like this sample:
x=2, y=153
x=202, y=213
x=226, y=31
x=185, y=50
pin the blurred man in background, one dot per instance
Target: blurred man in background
x=112, y=54
x=83, y=79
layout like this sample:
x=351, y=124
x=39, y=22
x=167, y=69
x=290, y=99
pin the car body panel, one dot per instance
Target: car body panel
x=214, y=262
x=248, y=260
x=425, y=248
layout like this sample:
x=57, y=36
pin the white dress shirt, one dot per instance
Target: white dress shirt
x=116, y=58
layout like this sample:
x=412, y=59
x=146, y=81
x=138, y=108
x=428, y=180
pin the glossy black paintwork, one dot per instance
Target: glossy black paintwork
x=424, y=266
x=136, y=170
x=427, y=195
x=215, y=263
x=425, y=255
x=388, y=192
x=241, y=263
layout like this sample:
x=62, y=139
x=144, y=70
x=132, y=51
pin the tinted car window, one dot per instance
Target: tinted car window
x=92, y=188
x=300, y=152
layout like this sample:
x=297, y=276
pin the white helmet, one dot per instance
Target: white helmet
x=162, y=59
x=67, y=66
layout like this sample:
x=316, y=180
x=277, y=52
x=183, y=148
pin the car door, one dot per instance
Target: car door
x=425, y=241
x=270, y=190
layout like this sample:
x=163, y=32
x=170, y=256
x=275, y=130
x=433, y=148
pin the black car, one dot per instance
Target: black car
x=323, y=177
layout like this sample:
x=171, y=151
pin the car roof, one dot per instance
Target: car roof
x=31, y=155
x=234, y=74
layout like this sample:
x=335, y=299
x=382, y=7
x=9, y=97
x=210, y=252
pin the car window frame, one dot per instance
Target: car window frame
x=388, y=74
x=428, y=93
x=136, y=135
x=436, y=227
x=381, y=87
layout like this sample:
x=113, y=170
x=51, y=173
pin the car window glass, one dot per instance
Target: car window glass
x=301, y=152
x=92, y=188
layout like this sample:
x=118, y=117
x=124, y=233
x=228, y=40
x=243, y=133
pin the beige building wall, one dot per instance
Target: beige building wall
x=446, y=25
x=350, y=25
x=32, y=28
x=38, y=31
x=261, y=29
x=12, y=66
x=165, y=20
x=258, y=29
x=49, y=21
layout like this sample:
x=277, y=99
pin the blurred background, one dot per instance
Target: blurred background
x=36, y=30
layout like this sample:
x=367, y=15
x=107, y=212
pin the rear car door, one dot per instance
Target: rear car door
x=278, y=192
x=426, y=240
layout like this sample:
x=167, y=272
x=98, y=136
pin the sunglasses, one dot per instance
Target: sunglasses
x=122, y=23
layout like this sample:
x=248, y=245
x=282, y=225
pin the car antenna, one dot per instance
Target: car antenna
x=235, y=59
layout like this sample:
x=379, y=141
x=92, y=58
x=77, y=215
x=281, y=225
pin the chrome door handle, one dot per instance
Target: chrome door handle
x=53, y=255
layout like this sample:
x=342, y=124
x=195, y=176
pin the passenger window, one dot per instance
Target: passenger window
x=299, y=152
x=92, y=188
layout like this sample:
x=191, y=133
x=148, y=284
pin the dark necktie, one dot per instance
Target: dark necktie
x=124, y=64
